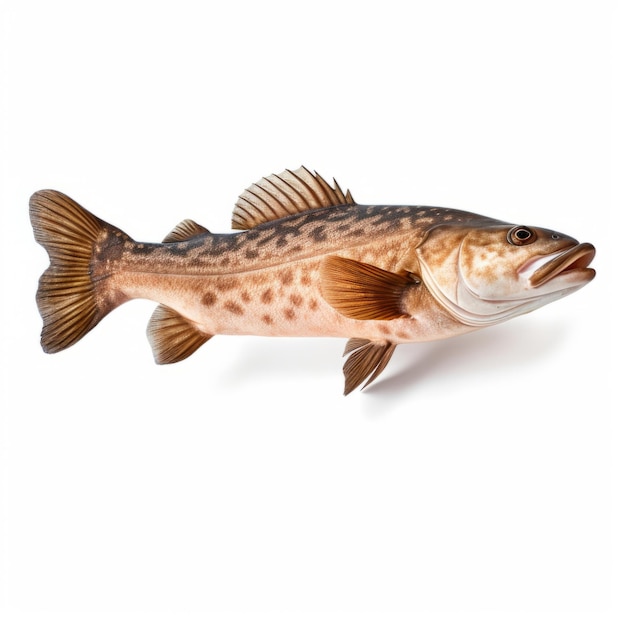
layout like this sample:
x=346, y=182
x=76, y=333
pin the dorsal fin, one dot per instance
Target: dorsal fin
x=187, y=229
x=280, y=195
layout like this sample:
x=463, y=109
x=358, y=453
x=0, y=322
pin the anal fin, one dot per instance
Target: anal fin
x=367, y=359
x=173, y=337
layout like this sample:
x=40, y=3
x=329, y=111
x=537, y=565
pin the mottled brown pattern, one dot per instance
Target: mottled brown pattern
x=286, y=277
x=267, y=297
x=209, y=299
x=295, y=299
x=289, y=313
x=310, y=234
x=233, y=307
x=227, y=283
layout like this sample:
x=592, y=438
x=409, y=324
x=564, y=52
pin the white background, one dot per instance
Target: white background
x=479, y=481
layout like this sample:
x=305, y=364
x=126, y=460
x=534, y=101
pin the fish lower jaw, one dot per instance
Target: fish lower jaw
x=504, y=310
x=572, y=263
x=563, y=283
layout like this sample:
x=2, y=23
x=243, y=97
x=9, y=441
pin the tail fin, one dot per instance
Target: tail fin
x=71, y=301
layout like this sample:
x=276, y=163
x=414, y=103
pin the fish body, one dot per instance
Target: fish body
x=308, y=261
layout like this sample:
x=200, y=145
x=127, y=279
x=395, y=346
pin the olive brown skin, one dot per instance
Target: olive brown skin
x=308, y=261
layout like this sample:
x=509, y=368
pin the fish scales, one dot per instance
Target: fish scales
x=308, y=261
x=321, y=232
x=258, y=284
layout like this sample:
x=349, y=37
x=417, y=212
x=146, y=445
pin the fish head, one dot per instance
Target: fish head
x=492, y=272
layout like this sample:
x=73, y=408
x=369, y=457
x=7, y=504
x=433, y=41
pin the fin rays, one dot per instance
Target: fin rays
x=172, y=337
x=70, y=300
x=362, y=291
x=366, y=361
x=288, y=193
x=185, y=230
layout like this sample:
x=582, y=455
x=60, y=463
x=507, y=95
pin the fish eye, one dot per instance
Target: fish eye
x=521, y=235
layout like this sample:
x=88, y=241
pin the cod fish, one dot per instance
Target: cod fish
x=309, y=261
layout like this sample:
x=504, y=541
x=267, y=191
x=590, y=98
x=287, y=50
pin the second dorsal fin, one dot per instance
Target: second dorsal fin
x=187, y=229
x=280, y=195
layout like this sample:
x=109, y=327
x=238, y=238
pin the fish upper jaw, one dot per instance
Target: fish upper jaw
x=570, y=266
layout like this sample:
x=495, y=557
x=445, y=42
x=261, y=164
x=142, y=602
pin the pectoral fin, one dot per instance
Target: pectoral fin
x=362, y=291
x=173, y=337
x=367, y=359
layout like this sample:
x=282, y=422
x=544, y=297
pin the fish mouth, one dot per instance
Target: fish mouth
x=572, y=262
